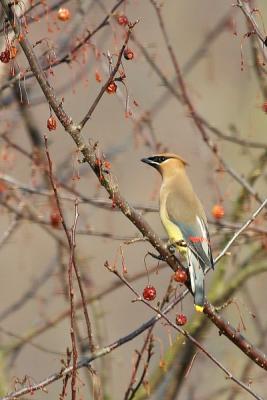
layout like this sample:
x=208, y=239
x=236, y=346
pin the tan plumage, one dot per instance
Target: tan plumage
x=183, y=218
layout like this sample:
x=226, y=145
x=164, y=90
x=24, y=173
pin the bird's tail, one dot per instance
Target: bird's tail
x=197, y=281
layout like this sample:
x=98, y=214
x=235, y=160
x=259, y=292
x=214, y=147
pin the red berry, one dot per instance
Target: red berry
x=63, y=14
x=5, y=56
x=98, y=77
x=122, y=20
x=128, y=54
x=264, y=106
x=181, y=319
x=112, y=88
x=55, y=219
x=180, y=276
x=52, y=123
x=218, y=211
x=149, y=293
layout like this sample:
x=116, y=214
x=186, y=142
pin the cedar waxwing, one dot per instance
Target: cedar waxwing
x=184, y=220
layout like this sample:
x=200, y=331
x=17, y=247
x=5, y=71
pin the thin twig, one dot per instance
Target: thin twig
x=110, y=79
x=245, y=8
x=145, y=368
x=72, y=309
x=11, y=228
x=241, y=230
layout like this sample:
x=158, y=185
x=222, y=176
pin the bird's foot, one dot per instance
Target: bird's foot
x=171, y=248
x=172, y=245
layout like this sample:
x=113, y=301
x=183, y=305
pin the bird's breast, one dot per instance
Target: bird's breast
x=173, y=231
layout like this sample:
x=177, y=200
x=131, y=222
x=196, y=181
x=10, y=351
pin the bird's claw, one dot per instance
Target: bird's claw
x=171, y=248
x=181, y=243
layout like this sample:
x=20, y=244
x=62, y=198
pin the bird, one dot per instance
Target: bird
x=184, y=220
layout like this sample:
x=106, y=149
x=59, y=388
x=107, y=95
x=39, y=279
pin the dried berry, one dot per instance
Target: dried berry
x=122, y=20
x=12, y=52
x=128, y=54
x=63, y=14
x=55, y=219
x=149, y=293
x=181, y=319
x=52, y=123
x=98, y=77
x=5, y=56
x=112, y=88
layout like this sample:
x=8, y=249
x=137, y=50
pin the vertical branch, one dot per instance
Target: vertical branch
x=72, y=308
x=77, y=272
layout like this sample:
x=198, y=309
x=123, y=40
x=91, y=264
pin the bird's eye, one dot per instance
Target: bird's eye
x=159, y=159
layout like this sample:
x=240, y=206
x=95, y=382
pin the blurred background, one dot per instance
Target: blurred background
x=143, y=117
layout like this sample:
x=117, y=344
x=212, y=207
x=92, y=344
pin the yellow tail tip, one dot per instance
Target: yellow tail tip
x=199, y=308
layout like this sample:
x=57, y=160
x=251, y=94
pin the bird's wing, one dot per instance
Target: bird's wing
x=194, y=230
x=198, y=240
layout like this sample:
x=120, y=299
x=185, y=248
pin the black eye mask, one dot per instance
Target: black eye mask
x=158, y=159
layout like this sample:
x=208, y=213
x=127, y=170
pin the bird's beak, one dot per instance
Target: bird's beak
x=146, y=161
x=150, y=162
